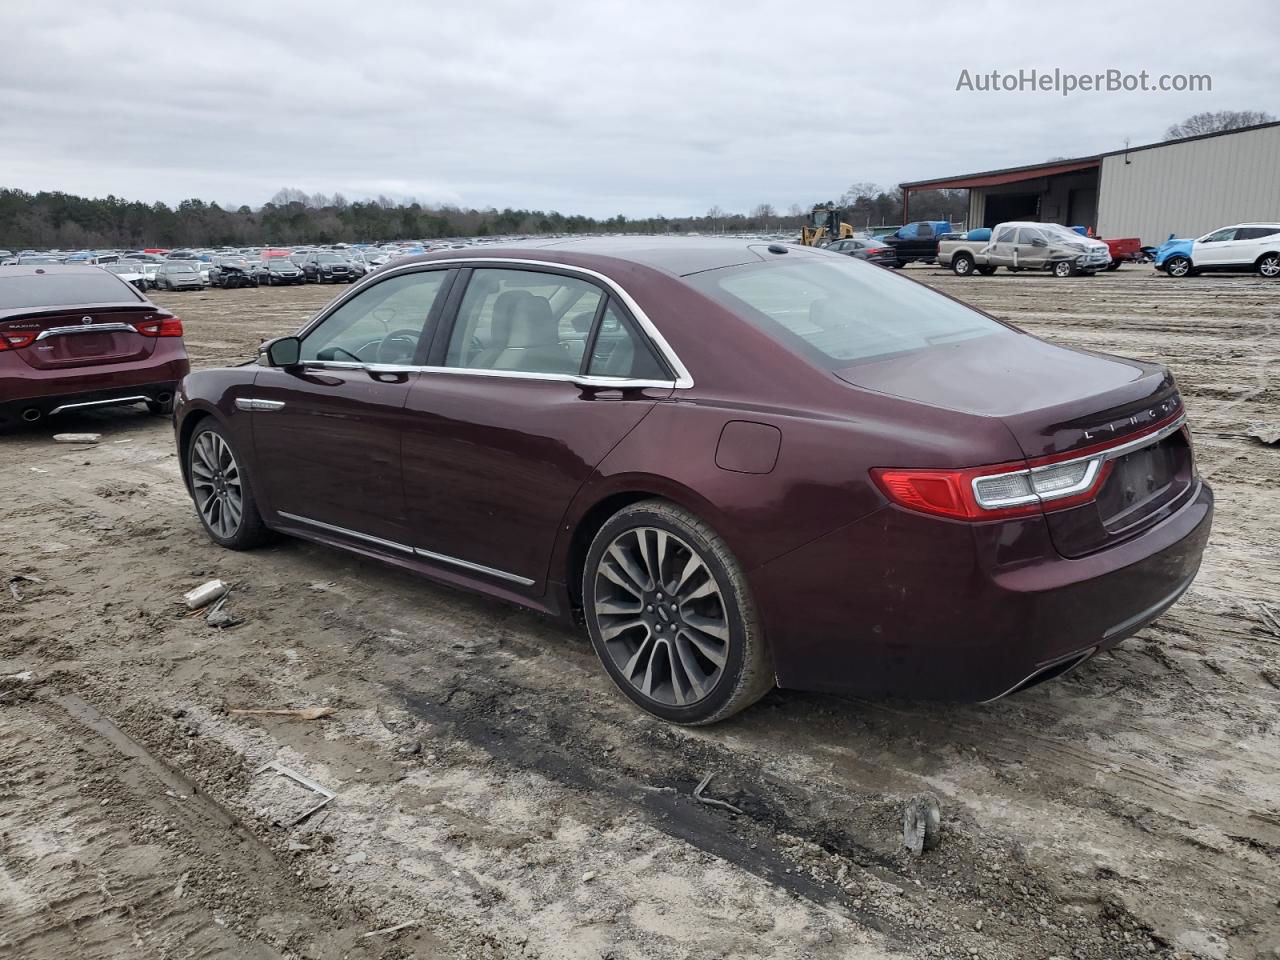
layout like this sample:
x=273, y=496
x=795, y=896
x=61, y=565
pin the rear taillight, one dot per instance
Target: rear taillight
x=1006, y=490
x=10, y=340
x=160, y=327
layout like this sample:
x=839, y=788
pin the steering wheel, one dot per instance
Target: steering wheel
x=402, y=336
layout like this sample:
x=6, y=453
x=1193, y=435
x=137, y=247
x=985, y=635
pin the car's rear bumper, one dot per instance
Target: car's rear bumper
x=24, y=390
x=901, y=604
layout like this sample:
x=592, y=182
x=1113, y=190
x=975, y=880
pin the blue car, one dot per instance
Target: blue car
x=1179, y=247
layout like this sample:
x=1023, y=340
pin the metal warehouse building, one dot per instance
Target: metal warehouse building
x=1183, y=187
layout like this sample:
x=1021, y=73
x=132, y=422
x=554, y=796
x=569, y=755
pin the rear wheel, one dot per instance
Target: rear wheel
x=986, y=271
x=1177, y=266
x=224, y=500
x=962, y=265
x=161, y=408
x=1269, y=265
x=671, y=616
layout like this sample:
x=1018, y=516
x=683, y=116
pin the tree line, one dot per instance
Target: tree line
x=56, y=220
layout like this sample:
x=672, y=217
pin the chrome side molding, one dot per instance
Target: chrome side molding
x=263, y=406
x=405, y=548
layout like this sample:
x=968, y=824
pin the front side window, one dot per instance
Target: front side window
x=524, y=321
x=381, y=324
x=1029, y=235
x=838, y=312
x=1218, y=236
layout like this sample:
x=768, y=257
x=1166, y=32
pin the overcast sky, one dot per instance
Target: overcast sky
x=592, y=106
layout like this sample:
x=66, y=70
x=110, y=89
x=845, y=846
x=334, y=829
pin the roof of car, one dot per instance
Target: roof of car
x=30, y=269
x=677, y=256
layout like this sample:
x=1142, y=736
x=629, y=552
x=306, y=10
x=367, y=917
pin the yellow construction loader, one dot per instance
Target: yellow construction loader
x=825, y=224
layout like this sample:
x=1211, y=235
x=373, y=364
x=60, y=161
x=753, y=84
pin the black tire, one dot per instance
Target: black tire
x=746, y=673
x=987, y=270
x=962, y=265
x=1268, y=265
x=248, y=531
x=1178, y=266
x=1064, y=268
x=1113, y=265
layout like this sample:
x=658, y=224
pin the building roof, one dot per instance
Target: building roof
x=1032, y=171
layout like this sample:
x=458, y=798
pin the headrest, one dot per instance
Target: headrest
x=532, y=324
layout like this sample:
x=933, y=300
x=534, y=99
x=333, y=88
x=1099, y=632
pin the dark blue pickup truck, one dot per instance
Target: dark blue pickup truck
x=918, y=240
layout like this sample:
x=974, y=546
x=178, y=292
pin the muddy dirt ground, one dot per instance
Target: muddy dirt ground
x=496, y=798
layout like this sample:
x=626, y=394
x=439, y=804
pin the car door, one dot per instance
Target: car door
x=1032, y=248
x=1246, y=246
x=543, y=371
x=1000, y=250
x=327, y=432
x=1213, y=250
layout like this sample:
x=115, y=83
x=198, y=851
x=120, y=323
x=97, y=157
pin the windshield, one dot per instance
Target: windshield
x=121, y=268
x=1060, y=232
x=329, y=258
x=59, y=289
x=840, y=312
x=179, y=268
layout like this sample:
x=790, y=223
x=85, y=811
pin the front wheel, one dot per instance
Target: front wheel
x=1064, y=268
x=1269, y=265
x=1113, y=265
x=962, y=265
x=1177, y=266
x=671, y=616
x=224, y=500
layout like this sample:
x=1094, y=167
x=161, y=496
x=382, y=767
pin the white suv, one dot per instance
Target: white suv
x=1246, y=246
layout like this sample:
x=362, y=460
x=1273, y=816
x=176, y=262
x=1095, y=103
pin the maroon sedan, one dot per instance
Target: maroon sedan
x=74, y=337
x=742, y=464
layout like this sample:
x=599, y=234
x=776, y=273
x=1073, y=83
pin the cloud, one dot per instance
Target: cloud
x=598, y=107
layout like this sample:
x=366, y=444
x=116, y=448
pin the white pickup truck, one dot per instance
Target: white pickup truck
x=1024, y=245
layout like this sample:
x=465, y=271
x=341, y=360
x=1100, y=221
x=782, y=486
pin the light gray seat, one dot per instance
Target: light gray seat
x=533, y=338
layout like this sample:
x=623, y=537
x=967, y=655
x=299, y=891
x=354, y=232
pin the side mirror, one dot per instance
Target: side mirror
x=281, y=352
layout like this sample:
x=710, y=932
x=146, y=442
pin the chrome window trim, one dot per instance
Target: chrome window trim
x=87, y=328
x=405, y=548
x=1138, y=443
x=579, y=379
x=683, y=379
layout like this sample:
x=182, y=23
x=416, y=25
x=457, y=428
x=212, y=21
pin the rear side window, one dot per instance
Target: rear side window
x=524, y=321
x=842, y=311
x=56, y=290
x=619, y=350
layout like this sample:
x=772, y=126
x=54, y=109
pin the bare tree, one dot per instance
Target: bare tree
x=1216, y=121
x=795, y=210
x=716, y=213
x=763, y=211
x=860, y=191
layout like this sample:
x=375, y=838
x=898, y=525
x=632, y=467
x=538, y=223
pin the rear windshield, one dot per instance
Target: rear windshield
x=57, y=290
x=840, y=312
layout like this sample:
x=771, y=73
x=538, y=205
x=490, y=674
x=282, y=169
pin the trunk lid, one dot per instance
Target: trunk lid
x=80, y=337
x=1056, y=400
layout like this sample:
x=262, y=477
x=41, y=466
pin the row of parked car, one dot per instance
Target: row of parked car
x=1065, y=252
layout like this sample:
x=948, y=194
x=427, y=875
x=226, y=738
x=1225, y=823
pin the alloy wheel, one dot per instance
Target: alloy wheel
x=1178, y=267
x=1269, y=266
x=662, y=616
x=215, y=481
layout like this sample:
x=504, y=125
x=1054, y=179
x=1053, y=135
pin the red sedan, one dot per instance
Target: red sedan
x=741, y=464
x=73, y=337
